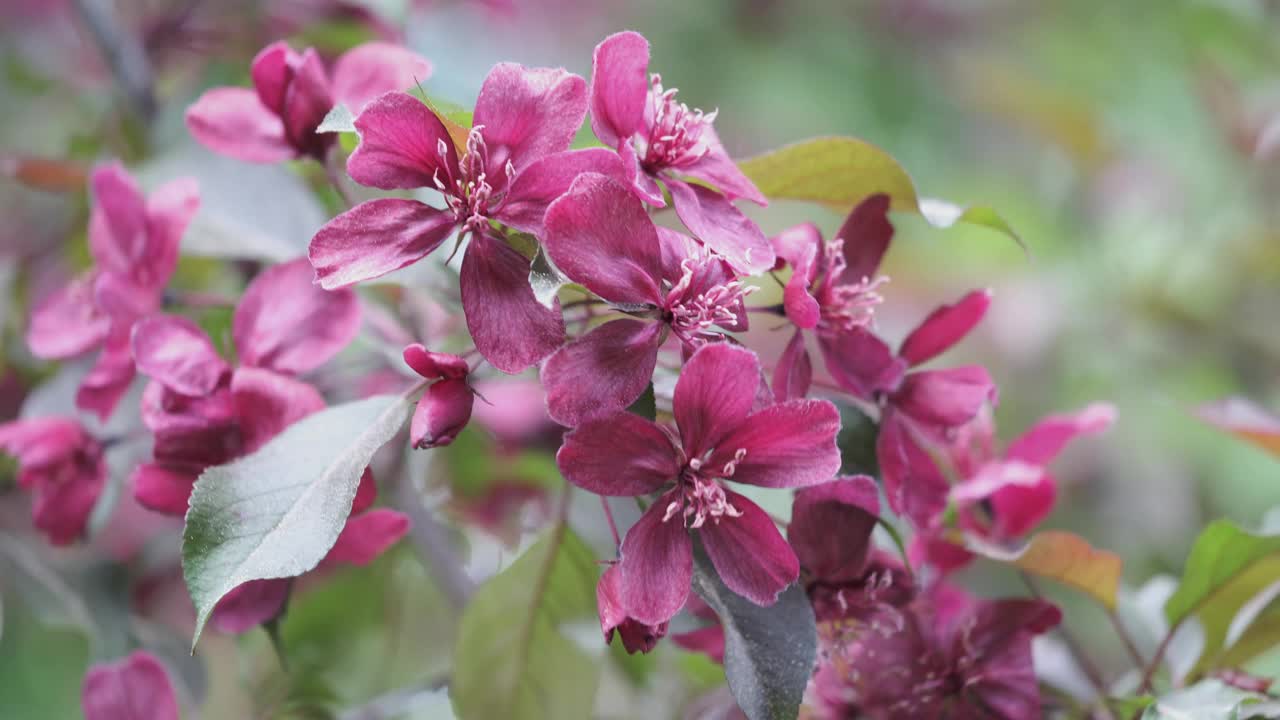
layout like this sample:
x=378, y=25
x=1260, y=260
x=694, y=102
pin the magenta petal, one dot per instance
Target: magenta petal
x=368, y=535
x=175, y=351
x=791, y=444
x=135, y=688
x=161, y=489
x=636, y=636
x=544, y=180
x=599, y=235
x=402, y=145
x=287, y=323
x=831, y=527
x=366, y=493
x=307, y=100
x=271, y=72
x=714, y=394
x=944, y=327
x=913, y=484
x=170, y=210
x=233, y=122
x=434, y=365
x=1019, y=508
x=375, y=238
x=656, y=565
x=945, y=398
x=794, y=371
x=123, y=300
x=43, y=441
x=722, y=227
x=865, y=237
x=267, y=403
x=528, y=114
x=108, y=380
x=118, y=222
x=860, y=362
x=707, y=640
x=601, y=372
x=366, y=71
x=61, y=506
x=249, y=605
x=800, y=247
x=1043, y=441
x=67, y=323
x=619, y=87
x=750, y=555
x=621, y=455
x=718, y=169
x=443, y=411
x=511, y=329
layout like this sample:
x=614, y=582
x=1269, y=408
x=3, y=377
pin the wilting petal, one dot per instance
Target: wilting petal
x=271, y=72
x=544, y=180
x=162, y=489
x=368, y=535
x=528, y=114
x=443, y=411
x=800, y=247
x=366, y=71
x=135, y=688
x=860, y=362
x=621, y=455
x=791, y=444
x=599, y=234
x=376, y=237
x=175, y=351
x=601, y=372
x=717, y=168
x=68, y=323
x=402, y=145
x=434, y=365
x=749, y=554
x=636, y=636
x=619, y=87
x=945, y=398
x=913, y=484
x=794, y=371
x=307, y=100
x=287, y=323
x=170, y=210
x=656, y=565
x=944, y=327
x=714, y=394
x=249, y=605
x=232, y=121
x=831, y=527
x=1043, y=441
x=866, y=233
x=511, y=329
x=722, y=227
x=108, y=380
x=267, y=403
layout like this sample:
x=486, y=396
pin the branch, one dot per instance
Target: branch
x=124, y=54
x=432, y=542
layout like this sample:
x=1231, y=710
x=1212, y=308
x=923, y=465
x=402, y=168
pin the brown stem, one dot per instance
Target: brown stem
x=1149, y=674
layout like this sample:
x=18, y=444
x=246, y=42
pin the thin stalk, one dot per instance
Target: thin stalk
x=1127, y=640
x=334, y=173
x=1149, y=673
x=613, y=526
x=1082, y=659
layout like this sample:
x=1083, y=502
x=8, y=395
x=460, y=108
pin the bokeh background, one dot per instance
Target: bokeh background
x=1127, y=143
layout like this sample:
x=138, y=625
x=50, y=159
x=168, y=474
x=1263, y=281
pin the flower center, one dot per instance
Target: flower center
x=470, y=194
x=676, y=135
x=700, y=496
x=701, y=299
x=846, y=306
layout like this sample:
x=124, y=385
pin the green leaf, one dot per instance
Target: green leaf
x=41, y=667
x=1207, y=700
x=1226, y=569
x=275, y=513
x=857, y=442
x=339, y=120
x=1262, y=635
x=840, y=172
x=1064, y=557
x=646, y=406
x=512, y=659
x=769, y=651
x=1129, y=708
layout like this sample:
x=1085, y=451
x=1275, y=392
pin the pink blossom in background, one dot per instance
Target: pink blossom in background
x=62, y=466
x=133, y=688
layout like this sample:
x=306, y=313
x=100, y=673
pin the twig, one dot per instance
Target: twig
x=1127, y=640
x=432, y=542
x=1150, y=672
x=124, y=54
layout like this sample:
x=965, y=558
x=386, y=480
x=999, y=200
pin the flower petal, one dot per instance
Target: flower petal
x=944, y=327
x=287, y=323
x=511, y=329
x=913, y=484
x=162, y=489
x=375, y=238
x=831, y=527
x=791, y=444
x=619, y=87
x=368, y=535
x=714, y=394
x=175, y=351
x=636, y=636
x=271, y=72
x=528, y=114
x=599, y=235
x=601, y=372
x=717, y=168
x=794, y=372
x=445, y=408
x=249, y=605
x=170, y=210
x=67, y=323
x=108, y=380
x=118, y=222
x=1019, y=508
x=232, y=121
x=63, y=502
x=267, y=403
x=621, y=455
x=800, y=246
x=546, y=179
x=1041, y=443
x=366, y=71
x=860, y=362
x=714, y=220
x=135, y=688
x=307, y=100
x=945, y=398
x=434, y=365
x=865, y=233
x=656, y=566
x=750, y=555
x=402, y=145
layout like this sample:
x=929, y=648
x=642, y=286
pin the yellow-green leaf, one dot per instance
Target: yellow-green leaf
x=1064, y=557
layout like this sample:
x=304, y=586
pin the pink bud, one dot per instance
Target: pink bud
x=444, y=410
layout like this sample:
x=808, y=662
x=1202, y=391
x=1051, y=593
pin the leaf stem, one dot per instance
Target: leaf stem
x=1150, y=672
x=1127, y=640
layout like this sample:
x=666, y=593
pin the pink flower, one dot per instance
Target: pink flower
x=62, y=465
x=717, y=437
x=516, y=161
x=134, y=243
x=1001, y=498
x=133, y=687
x=291, y=95
x=600, y=236
x=636, y=636
x=659, y=138
x=445, y=407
